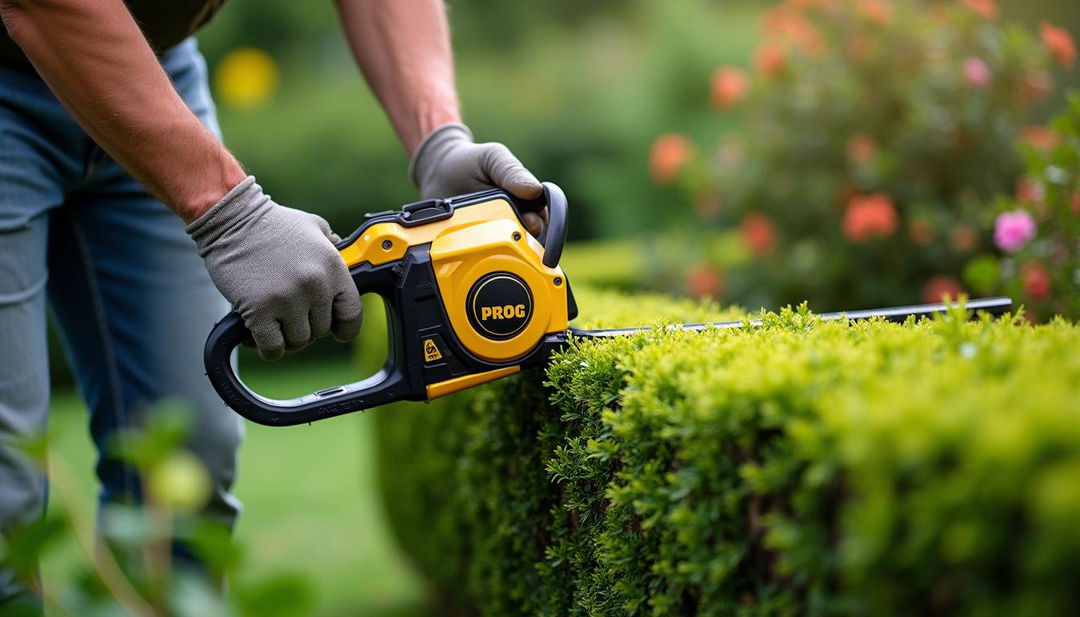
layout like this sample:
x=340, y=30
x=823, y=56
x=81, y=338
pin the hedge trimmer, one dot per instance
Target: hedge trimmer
x=470, y=297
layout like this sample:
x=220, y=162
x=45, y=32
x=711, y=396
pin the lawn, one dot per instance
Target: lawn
x=310, y=497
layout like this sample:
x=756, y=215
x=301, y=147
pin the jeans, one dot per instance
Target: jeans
x=127, y=289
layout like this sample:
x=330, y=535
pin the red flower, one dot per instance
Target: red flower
x=1076, y=203
x=1040, y=137
x=770, y=58
x=861, y=148
x=1061, y=44
x=877, y=11
x=940, y=287
x=670, y=153
x=964, y=239
x=728, y=87
x=987, y=9
x=868, y=216
x=705, y=281
x=758, y=234
x=1029, y=192
x=1036, y=280
x=921, y=232
x=1035, y=85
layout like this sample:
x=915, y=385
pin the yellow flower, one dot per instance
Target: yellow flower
x=246, y=78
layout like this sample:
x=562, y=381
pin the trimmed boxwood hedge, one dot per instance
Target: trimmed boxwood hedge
x=800, y=468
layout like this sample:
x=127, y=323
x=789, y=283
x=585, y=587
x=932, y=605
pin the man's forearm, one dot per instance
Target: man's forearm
x=403, y=48
x=98, y=63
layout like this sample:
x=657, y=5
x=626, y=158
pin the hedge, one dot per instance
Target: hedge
x=801, y=468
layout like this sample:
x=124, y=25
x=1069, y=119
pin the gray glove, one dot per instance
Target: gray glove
x=447, y=163
x=279, y=269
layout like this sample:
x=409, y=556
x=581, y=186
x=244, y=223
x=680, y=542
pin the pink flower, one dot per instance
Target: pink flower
x=976, y=73
x=1013, y=230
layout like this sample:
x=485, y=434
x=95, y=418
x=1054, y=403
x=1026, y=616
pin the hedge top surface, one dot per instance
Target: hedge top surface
x=797, y=468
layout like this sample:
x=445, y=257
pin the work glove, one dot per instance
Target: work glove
x=279, y=269
x=447, y=163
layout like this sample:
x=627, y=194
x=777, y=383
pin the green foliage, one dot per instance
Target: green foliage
x=576, y=90
x=876, y=133
x=799, y=468
x=1045, y=271
x=136, y=571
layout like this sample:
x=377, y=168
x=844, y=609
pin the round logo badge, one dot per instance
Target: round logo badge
x=499, y=305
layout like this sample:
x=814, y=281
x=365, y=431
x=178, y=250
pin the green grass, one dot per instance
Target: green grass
x=309, y=494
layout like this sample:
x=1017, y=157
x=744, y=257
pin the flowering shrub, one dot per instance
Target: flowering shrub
x=876, y=135
x=1038, y=231
x=768, y=472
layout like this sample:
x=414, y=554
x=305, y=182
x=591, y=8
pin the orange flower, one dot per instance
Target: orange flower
x=860, y=47
x=1040, y=137
x=964, y=239
x=940, y=288
x=814, y=4
x=877, y=11
x=868, y=216
x=728, y=87
x=1061, y=44
x=1035, y=85
x=861, y=148
x=758, y=234
x=670, y=153
x=770, y=58
x=705, y=281
x=987, y=9
x=1036, y=280
x=1029, y=192
x=921, y=232
x=784, y=22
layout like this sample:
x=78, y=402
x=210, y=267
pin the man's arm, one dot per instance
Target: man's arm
x=403, y=48
x=98, y=63
x=277, y=266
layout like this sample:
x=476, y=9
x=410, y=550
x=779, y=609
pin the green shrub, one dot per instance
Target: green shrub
x=802, y=468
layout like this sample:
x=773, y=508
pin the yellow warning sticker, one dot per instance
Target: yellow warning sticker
x=431, y=351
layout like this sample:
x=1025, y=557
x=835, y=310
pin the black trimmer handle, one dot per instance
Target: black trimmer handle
x=386, y=386
x=554, y=236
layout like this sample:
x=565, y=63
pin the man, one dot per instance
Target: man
x=106, y=125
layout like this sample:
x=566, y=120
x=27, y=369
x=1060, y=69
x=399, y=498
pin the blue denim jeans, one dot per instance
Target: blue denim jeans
x=129, y=292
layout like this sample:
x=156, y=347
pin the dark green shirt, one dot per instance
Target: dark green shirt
x=164, y=22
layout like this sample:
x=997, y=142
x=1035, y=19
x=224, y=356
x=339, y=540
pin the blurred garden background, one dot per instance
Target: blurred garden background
x=852, y=153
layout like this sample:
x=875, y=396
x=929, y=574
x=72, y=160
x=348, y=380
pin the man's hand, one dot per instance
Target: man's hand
x=448, y=162
x=279, y=269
